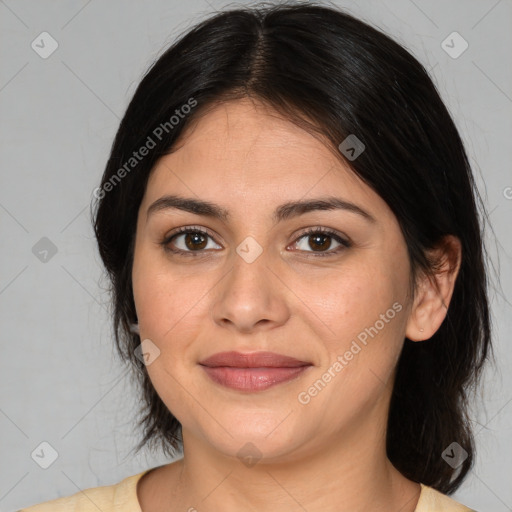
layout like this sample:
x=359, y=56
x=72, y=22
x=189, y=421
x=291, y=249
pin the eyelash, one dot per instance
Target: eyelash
x=310, y=231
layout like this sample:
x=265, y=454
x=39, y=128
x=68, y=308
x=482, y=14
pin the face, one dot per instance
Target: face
x=335, y=299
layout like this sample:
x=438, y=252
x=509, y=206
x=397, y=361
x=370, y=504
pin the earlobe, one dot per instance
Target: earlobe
x=435, y=292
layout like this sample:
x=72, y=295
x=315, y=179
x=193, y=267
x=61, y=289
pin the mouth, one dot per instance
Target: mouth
x=253, y=371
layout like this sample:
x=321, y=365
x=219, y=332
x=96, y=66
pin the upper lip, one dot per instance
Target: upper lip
x=252, y=360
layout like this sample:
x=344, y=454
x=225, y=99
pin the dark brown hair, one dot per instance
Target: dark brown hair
x=336, y=76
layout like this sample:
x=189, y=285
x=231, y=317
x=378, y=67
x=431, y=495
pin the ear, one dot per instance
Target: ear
x=433, y=294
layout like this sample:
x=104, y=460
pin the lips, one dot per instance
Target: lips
x=252, y=360
x=252, y=372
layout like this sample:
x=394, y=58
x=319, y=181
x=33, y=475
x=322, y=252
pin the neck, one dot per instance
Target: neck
x=355, y=476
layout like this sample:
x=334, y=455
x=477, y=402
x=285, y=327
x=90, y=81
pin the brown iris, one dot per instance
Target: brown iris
x=317, y=241
x=195, y=241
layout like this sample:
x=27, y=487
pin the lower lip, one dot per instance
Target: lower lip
x=252, y=379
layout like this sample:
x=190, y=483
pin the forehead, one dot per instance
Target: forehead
x=245, y=152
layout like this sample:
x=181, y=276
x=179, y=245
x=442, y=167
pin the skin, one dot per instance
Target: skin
x=326, y=455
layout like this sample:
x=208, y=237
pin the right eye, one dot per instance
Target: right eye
x=192, y=241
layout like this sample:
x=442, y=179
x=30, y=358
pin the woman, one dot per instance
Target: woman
x=289, y=221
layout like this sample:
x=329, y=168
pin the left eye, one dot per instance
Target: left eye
x=320, y=240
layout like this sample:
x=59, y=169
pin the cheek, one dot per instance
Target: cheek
x=169, y=308
x=364, y=308
x=349, y=299
x=161, y=296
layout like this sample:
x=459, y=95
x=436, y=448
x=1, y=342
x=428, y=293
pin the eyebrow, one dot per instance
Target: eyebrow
x=282, y=212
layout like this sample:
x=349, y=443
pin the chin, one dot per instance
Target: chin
x=265, y=437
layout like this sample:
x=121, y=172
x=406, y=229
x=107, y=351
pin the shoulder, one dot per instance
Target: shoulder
x=431, y=500
x=109, y=498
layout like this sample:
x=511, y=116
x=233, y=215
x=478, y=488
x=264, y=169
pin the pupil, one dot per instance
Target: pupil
x=316, y=239
x=192, y=238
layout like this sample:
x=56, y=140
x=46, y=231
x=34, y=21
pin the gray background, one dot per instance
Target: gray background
x=60, y=380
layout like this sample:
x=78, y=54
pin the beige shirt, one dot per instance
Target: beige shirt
x=122, y=497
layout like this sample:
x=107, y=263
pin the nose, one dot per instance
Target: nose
x=251, y=297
